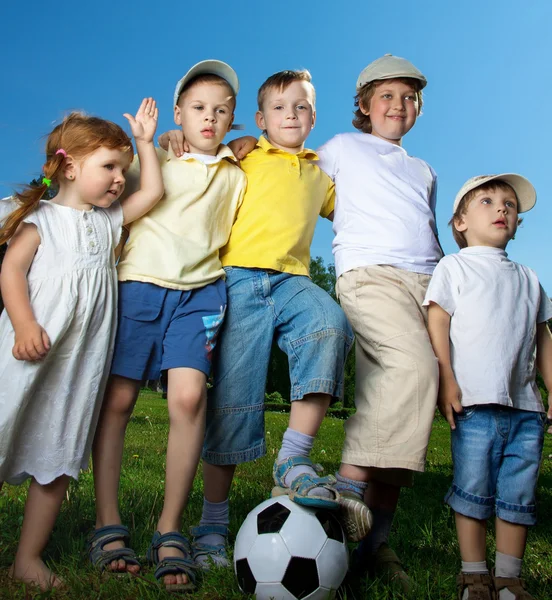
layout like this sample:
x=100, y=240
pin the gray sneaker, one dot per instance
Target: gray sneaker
x=355, y=517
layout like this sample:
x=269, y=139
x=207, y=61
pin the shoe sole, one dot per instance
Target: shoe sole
x=355, y=518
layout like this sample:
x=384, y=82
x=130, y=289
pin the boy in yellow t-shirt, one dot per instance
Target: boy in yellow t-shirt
x=270, y=296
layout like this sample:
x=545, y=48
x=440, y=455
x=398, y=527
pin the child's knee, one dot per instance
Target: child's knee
x=187, y=403
x=120, y=397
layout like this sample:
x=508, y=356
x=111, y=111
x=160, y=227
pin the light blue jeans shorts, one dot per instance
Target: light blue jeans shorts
x=308, y=325
x=496, y=454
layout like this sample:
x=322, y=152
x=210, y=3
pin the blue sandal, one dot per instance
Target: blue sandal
x=207, y=555
x=101, y=558
x=300, y=487
x=173, y=565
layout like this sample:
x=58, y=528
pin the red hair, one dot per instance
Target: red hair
x=78, y=135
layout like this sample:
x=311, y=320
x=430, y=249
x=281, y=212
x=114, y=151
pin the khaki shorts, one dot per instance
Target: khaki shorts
x=397, y=373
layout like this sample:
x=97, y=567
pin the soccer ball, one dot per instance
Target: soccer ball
x=285, y=551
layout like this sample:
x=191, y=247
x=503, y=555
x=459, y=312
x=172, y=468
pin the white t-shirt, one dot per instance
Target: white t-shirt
x=384, y=207
x=495, y=305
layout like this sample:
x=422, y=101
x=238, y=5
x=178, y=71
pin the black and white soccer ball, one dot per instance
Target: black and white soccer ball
x=284, y=551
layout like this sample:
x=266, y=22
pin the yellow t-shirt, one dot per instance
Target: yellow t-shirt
x=275, y=223
x=176, y=245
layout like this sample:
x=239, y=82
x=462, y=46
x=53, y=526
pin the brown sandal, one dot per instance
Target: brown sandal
x=515, y=586
x=480, y=586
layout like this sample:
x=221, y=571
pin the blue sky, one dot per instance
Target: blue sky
x=486, y=110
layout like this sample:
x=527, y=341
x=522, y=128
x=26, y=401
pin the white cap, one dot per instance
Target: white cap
x=525, y=192
x=209, y=67
x=389, y=67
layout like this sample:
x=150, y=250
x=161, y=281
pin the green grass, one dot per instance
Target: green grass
x=423, y=534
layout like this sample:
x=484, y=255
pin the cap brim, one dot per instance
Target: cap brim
x=399, y=75
x=209, y=67
x=525, y=192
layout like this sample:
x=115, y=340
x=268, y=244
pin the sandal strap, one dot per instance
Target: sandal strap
x=515, y=585
x=306, y=482
x=171, y=539
x=174, y=565
x=108, y=556
x=480, y=585
x=282, y=468
x=201, y=530
x=98, y=538
x=107, y=534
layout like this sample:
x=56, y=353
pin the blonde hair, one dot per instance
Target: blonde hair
x=78, y=135
x=281, y=81
x=366, y=93
x=462, y=208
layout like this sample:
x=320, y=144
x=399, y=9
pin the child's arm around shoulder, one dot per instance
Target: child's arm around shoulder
x=143, y=127
x=31, y=341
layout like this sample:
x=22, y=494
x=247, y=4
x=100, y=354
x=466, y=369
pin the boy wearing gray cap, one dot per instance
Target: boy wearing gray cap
x=385, y=249
x=487, y=392
x=172, y=302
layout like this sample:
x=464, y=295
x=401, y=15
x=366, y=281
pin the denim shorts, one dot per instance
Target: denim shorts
x=160, y=329
x=496, y=454
x=308, y=325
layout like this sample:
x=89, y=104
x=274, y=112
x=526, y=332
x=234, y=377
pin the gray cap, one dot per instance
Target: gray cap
x=389, y=67
x=209, y=67
x=525, y=192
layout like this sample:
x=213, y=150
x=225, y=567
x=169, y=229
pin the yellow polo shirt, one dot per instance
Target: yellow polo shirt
x=275, y=223
x=176, y=245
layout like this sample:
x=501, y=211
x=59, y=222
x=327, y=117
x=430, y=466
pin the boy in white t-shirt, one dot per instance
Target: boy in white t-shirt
x=487, y=322
x=385, y=249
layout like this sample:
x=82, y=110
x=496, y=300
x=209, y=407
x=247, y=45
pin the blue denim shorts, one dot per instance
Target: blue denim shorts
x=161, y=329
x=308, y=325
x=496, y=454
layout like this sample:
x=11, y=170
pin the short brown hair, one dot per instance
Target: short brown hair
x=207, y=78
x=366, y=93
x=462, y=208
x=281, y=81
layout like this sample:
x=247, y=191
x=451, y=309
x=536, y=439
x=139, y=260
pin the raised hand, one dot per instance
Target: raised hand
x=144, y=124
x=31, y=342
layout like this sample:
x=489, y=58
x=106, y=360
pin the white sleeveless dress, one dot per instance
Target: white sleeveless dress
x=49, y=409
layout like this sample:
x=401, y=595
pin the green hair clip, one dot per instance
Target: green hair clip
x=47, y=182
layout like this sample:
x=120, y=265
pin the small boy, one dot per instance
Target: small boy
x=487, y=322
x=172, y=302
x=270, y=296
x=385, y=250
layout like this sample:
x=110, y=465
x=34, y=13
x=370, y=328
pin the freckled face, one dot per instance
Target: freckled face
x=393, y=110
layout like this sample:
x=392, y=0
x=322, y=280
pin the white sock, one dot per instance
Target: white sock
x=507, y=566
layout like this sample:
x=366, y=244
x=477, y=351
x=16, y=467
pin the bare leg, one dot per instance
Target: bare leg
x=307, y=414
x=471, y=538
x=41, y=511
x=510, y=538
x=217, y=481
x=187, y=400
x=107, y=454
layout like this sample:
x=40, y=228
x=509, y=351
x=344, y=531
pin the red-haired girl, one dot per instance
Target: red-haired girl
x=60, y=292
